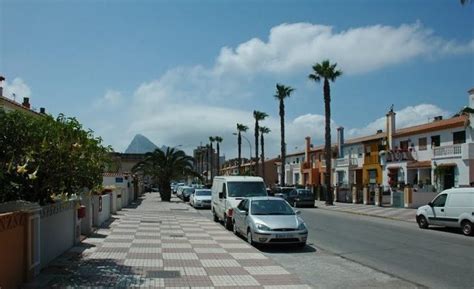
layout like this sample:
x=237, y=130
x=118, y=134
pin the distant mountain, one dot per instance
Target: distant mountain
x=140, y=145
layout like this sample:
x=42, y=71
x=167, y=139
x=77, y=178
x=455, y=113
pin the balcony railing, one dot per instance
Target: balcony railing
x=399, y=156
x=354, y=162
x=447, y=151
x=342, y=162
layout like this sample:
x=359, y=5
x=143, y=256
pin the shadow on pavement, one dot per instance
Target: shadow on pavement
x=286, y=249
x=447, y=230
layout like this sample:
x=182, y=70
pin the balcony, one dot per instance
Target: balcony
x=399, y=156
x=342, y=162
x=447, y=151
x=305, y=165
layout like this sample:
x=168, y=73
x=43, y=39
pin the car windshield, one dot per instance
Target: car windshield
x=246, y=189
x=203, y=193
x=286, y=191
x=305, y=193
x=271, y=207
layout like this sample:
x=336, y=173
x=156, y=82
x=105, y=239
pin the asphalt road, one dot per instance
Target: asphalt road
x=436, y=258
x=351, y=251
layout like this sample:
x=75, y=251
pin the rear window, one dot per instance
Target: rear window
x=246, y=189
x=305, y=193
x=189, y=190
x=203, y=193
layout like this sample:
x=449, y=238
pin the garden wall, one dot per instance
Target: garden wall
x=101, y=209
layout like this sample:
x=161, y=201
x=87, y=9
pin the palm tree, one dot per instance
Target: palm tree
x=258, y=115
x=327, y=71
x=164, y=166
x=263, y=130
x=211, y=157
x=240, y=128
x=282, y=92
x=218, y=140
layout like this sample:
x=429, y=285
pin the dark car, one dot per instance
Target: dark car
x=187, y=193
x=286, y=193
x=303, y=197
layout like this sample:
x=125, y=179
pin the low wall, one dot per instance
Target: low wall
x=422, y=198
x=119, y=199
x=57, y=230
x=13, y=249
x=124, y=197
x=101, y=209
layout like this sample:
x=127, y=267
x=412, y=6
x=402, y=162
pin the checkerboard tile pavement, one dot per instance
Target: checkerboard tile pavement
x=164, y=245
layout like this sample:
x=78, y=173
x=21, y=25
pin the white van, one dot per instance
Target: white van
x=450, y=208
x=228, y=191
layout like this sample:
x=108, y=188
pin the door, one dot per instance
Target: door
x=221, y=201
x=438, y=214
x=448, y=178
x=240, y=215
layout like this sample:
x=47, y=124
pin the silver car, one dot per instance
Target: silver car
x=201, y=198
x=269, y=220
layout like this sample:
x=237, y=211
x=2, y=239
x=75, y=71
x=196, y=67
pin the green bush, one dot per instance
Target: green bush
x=41, y=157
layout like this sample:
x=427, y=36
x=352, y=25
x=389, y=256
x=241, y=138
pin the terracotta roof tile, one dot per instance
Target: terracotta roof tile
x=433, y=126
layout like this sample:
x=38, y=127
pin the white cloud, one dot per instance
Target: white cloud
x=111, y=99
x=293, y=47
x=408, y=116
x=18, y=88
x=186, y=105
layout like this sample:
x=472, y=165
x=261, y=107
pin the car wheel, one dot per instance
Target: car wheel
x=422, y=222
x=228, y=223
x=466, y=228
x=216, y=219
x=249, y=237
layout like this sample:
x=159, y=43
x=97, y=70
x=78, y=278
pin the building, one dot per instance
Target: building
x=8, y=104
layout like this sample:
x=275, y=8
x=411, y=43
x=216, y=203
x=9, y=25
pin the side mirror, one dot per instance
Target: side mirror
x=221, y=195
x=430, y=204
x=298, y=212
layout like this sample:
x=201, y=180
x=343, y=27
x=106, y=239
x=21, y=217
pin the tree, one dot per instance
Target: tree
x=211, y=156
x=263, y=130
x=259, y=116
x=282, y=92
x=165, y=166
x=327, y=71
x=218, y=140
x=240, y=128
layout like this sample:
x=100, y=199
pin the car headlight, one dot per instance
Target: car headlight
x=302, y=226
x=263, y=227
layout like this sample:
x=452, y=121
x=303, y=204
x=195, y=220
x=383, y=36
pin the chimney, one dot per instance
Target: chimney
x=340, y=141
x=2, y=79
x=26, y=102
x=307, y=148
x=42, y=110
x=390, y=127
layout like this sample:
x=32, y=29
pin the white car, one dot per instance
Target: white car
x=201, y=198
x=450, y=208
x=228, y=191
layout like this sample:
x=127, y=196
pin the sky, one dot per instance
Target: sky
x=181, y=71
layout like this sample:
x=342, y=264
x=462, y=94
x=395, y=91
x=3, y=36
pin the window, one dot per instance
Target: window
x=422, y=143
x=241, y=205
x=372, y=176
x=435, y=141
x=404, y=145
x=440, y=201
x=459, y=137
x=246, y=189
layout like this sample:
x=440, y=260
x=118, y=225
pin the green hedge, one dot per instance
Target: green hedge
x=41, y=157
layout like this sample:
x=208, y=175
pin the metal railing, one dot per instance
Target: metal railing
x=444, y=151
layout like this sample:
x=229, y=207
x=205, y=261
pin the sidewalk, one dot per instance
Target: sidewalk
x=400, y=214
x=164, y=245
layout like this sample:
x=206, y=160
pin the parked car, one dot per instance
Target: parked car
x=201, y=198
x=269, y=220
x=303, y=197
x=186, y=192
x=286, y=193
x=179, y=191
x=176, y=186
x=228, y=191
x=450, y=208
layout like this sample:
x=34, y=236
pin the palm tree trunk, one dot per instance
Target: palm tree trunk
x=212, y=161
x=327, y=147
x=256, y=148
x=283, y=146
x=263, y=156
x=239, y=145
x=218, y=159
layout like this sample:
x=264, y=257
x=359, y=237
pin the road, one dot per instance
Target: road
x=346, y=250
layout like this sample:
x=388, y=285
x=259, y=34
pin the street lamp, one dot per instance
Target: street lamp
x=250, y=145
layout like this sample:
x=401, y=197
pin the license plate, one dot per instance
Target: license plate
x=283, y=236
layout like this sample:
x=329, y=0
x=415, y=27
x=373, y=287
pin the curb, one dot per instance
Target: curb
x=368, y=215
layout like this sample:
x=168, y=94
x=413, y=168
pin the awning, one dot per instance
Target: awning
x=447, y=165
x=419, y=165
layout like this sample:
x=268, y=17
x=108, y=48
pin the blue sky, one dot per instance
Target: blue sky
x=180, y=71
